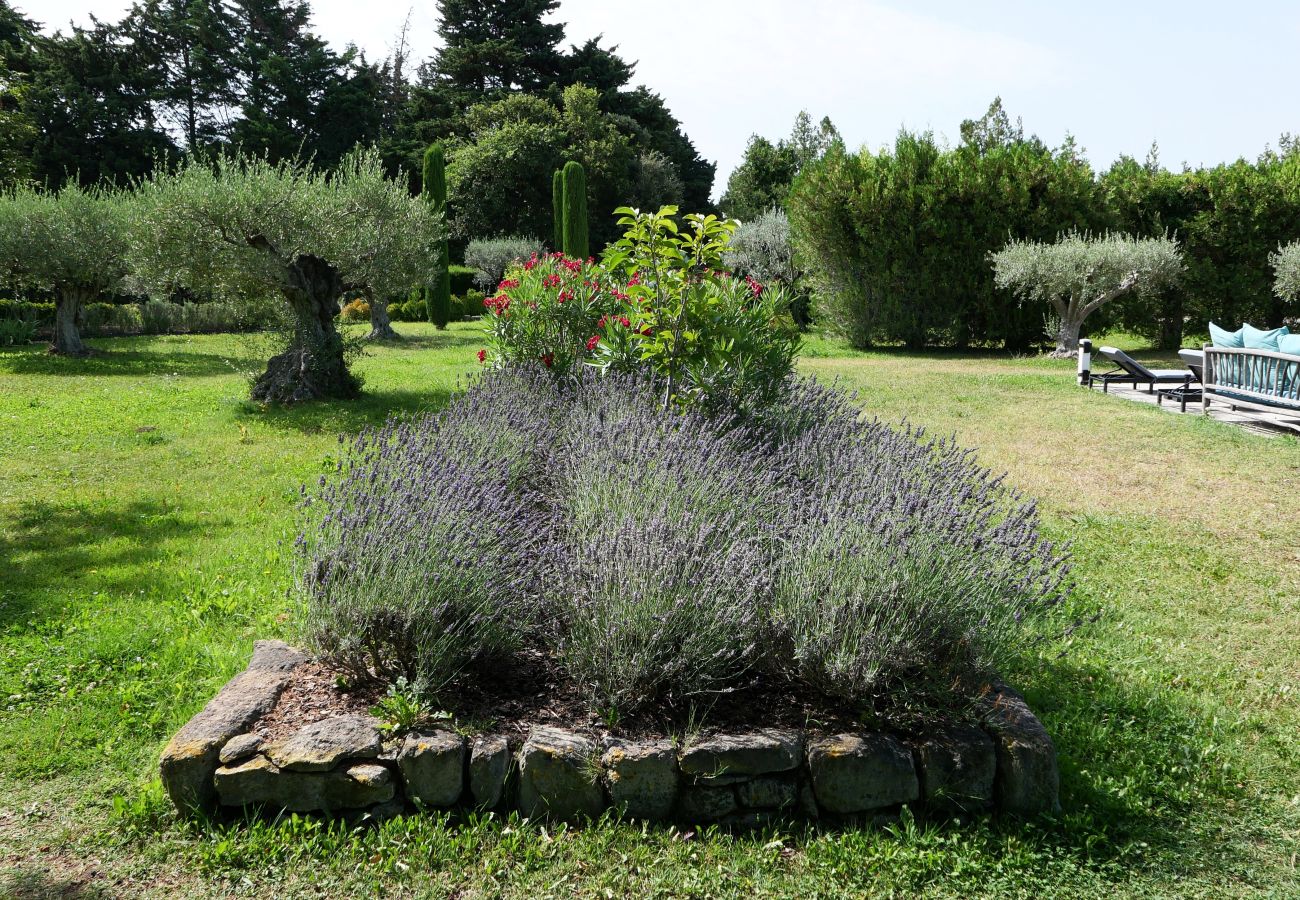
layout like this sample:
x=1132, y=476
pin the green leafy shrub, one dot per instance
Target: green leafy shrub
x=489, y=258
x=660, y=302
x=16, y=332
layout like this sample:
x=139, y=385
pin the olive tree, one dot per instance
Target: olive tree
x=247, y=227
x=1286, y=269
x=72, y=243
x=1080, y=272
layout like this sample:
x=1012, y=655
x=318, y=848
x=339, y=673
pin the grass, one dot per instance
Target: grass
x=145, y=507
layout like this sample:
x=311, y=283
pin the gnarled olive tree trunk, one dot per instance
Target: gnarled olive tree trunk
x=381, y=327
x=68, y=316
x=313, y=366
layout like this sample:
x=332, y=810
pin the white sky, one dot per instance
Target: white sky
x=1209, y=81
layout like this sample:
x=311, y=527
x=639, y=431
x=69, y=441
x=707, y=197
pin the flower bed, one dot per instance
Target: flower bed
x=235, y=755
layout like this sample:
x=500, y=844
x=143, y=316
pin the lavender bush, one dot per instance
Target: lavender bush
x=668, y=546
x=905, y=561
x=658, y=554
x=424, y=554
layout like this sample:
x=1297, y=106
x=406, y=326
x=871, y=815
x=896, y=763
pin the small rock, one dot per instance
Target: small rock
x=1028, y=781
x=433, y=766
x=756, y=753
x=767, y=793
x=705, y=804
x=957, y=767
x=854, y=773
x=260, y=781
x=490, y=768
x=558, y=776
x=642, y=778
x=240, y=747
x=322, y=745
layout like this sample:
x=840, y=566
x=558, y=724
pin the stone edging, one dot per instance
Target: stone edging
x=342, y=765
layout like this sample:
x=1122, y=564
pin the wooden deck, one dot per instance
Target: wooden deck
x=1261, y=423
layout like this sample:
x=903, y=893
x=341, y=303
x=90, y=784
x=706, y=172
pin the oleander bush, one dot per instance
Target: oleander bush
x=660, y=301
x=659, y=555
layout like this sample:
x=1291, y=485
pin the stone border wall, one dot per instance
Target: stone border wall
x=343, y=765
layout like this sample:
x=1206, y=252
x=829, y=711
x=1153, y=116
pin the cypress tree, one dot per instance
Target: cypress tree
x=557, y=210
x=575, y=211
x=438, y=294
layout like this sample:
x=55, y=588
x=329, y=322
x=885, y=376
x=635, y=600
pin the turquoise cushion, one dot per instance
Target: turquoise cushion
x=1223, y=338
x=1257, y=339
x=1289, y=343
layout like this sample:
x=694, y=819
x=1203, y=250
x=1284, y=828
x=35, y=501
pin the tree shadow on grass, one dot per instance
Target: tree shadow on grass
x=372, y=409
x=132, y=363
x=440, y=340
x=51, y=552
x=37, y=884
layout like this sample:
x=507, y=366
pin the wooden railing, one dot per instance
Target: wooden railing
x=1256, y=378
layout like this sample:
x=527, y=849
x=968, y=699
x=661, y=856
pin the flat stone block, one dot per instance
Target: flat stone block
x=705, y=804
x=432, y=764
x=1028, y=781
x=755, y=753
x=957, y=767
x=260, y=781
x=190, y=758
x=642, y=778
x=322, y=745
x=853, y=773
x=767, y=793
x=490, y=768
x=558, y=776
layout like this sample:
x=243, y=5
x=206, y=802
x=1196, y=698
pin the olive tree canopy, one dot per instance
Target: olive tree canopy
x=1286, y=268
x=1080, y=272
x=72, y=243
x=247, y=227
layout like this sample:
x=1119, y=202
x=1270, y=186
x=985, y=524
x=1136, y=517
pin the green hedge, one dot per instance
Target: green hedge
x=462, y=279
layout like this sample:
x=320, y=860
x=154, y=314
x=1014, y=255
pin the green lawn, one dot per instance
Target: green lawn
x=145, y=512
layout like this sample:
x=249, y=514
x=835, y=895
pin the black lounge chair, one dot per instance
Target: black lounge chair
x=1129, y=371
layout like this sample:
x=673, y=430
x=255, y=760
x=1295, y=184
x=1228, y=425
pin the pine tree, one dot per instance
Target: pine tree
x=191, y=46
x=497, y=46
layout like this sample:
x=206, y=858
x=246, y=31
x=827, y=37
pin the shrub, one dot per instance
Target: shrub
x=659, y=554
x=462, y=279
x=905, y=563
x=761, y=249
x=660, y=302
x=491, y=257
x=425, y=554
x=16, y=332
x=355, y=311
x=435, y=191
x=575, y=224
x=668, y=547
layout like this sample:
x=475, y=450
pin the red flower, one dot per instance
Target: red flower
x=755, y=288
x=647, y=331
x=593, y=342
x=548, y=359
x=565, y=295
x=482, y=355
x=622, y=320
x=603, y=320
x=634, y=280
